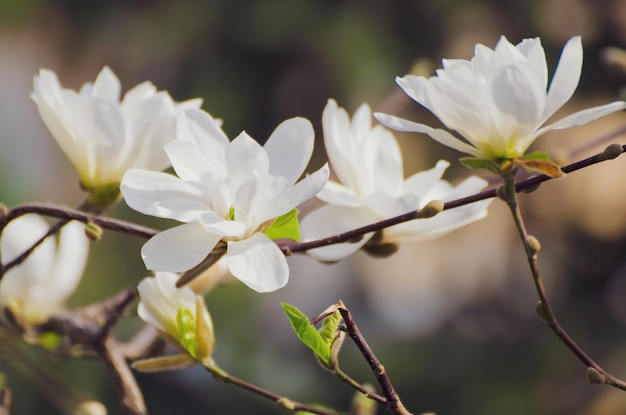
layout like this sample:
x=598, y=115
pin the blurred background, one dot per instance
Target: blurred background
x=453, y=319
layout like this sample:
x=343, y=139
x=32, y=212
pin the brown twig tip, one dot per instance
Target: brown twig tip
x=594, y=376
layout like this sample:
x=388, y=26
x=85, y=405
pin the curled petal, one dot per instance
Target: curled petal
x=439, y=135
x=258, y=263
x=178, y=249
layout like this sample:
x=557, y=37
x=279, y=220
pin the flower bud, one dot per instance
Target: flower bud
x=541, y=312
x=533, y=245
x=90, y=408
x=612, y=151
x=594, y=376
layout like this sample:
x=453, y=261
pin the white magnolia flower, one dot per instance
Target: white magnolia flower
x=499, y=101
x=371, y=187
x=174, y=311
x=103, y=136
x=225, y=191
x=37, y=288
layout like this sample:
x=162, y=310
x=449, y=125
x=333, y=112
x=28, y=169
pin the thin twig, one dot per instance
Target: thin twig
x=544, y=308
x=285, y=403
x=393, y=403
x=530, y=183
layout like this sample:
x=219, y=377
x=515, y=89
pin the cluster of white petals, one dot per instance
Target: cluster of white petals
x=225, y=191
x=103, y=136
x=166, y=307
x=371, y=187
x=37, y=288
x=498, y=101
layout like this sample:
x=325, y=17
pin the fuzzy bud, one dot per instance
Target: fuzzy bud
x=533, y=244
x=594, y=376
x=431, y=209
x=93, y=232
x=541, y=312
x=612, y=151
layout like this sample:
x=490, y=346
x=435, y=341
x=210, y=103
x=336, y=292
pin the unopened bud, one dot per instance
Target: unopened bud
x=541, y=312
x=530, y=189
x=533, y=244
x=93, y=231
x=594, y=376
x=90, y=408
x=431, y=209
x=612, y=151
x=362, y=404
x=502, y=193
x=286, y=403
x=381, y=251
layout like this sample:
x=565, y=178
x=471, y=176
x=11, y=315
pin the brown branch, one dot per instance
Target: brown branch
x=393, y=403
x=595, y=373
x=283, y=402
x=524, y=185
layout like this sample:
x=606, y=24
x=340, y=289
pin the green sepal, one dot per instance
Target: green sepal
x=474, y=163
x=537, y=155
x=308, y=334
x=187, y=328
x=285, y=227
x=101, y=197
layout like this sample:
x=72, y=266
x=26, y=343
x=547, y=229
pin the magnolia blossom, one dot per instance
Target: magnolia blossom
x=103, y=136
x=371, y=187
x=37, y=288
x=226, y=191
x=499, y=101
x=174, y=311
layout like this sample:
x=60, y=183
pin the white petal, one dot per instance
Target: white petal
x=69, y=265
x=245, y=158
x=258, y=263
x=331, y=220
x=338, y=194
x=304, y=190
x=583, y=117
x=178, y=249
x=161, y=194
x=289, y=148
x=107, y=86
x=439, y=135
x=420, y=184
x=217, y=225
x=566, y=77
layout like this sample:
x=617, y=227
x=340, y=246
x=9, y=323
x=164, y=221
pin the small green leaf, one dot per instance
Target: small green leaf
x=307, y=333
x=284, y=227
x=329, y=327
x=474, y=163
x=187, y=329
x=537, y=155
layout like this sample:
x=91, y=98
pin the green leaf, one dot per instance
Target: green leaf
x=474, y=163
x=537, y=155
x=285, y=227
x=307, y=333
x=187, y=328
x=329, y=327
